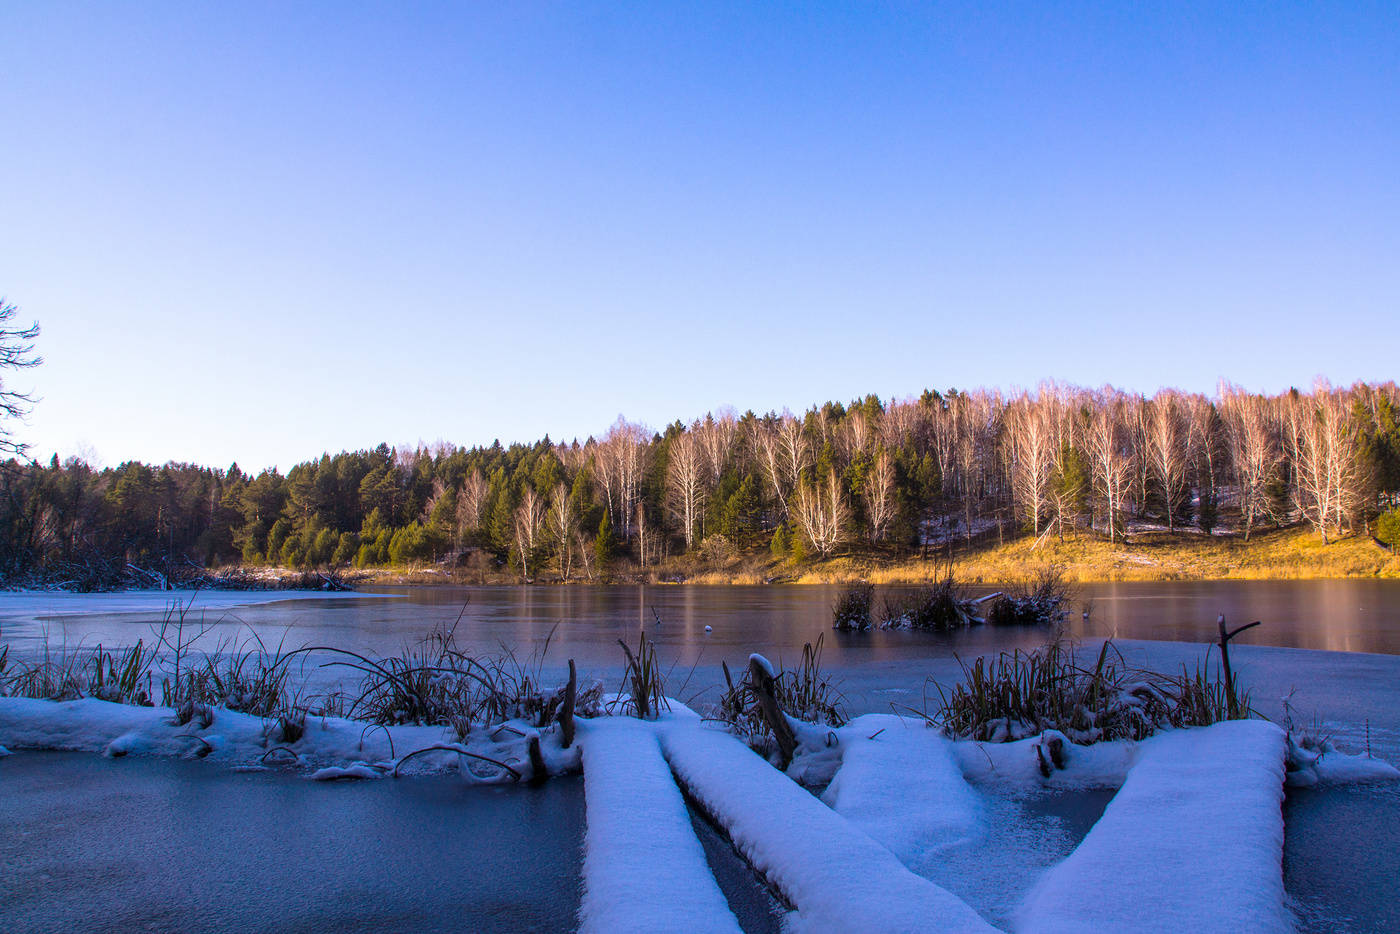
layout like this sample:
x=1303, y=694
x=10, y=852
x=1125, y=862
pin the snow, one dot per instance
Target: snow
x=889, y=759
x=765, y=664
x=1310, y=765
x=335, y=773
x=1015, y=767
x=837, y=877
x=1193, y=841
x=240, y=740
x=643, y=867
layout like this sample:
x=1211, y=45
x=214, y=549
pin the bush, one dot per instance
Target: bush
x=852, y=609
x=1037, y=604
x=716, y=549
x=936, y=606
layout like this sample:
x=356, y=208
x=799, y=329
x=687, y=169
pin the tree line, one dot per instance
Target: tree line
x=885, y=477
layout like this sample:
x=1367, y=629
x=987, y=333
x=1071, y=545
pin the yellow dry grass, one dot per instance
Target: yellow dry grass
x=1281, y=555
x=1288, y=554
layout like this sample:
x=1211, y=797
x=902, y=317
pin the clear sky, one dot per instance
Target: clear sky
x=259, y=232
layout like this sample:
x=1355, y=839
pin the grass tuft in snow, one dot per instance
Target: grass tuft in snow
x=1023, y=694
x=805, y=693
x=643, y=691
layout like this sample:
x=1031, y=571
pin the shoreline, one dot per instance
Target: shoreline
x=1278, y=555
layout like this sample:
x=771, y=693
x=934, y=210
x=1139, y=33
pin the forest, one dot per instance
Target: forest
x=881, y=479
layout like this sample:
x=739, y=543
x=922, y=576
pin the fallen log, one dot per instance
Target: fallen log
x=761, y=679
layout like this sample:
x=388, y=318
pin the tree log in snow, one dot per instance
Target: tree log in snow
x=762, y=680
x=566, y=711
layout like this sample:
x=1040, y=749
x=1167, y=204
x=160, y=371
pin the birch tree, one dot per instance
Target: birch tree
x=880, y=495
x=1032, y=437
x=621, y=462
x=529, y=523
x=821, y=512
x=1111, y=461
x=685, y=484
x=471, y=501
x=1323, y=448
x=563, y=528
x=1252, y=438
x=1166, y=451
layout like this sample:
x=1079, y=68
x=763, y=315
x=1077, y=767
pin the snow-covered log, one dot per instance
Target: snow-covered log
x=837, y=877
x=1192, y=842
x=643, y=867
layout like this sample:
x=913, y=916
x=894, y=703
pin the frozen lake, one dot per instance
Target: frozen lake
x=1334, y=645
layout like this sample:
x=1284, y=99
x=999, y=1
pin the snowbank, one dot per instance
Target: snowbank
x=240, y=740
x=643, y=867
x=900, y=783
x=1192, y=842
x=838, y=878
x=1311, y=764
x=1016, y=767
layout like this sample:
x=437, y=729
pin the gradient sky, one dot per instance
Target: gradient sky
x=258, y=232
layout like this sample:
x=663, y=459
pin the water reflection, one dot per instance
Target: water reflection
x=586, y=622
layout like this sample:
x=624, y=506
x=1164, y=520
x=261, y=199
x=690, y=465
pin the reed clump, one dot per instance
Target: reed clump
x=935, y=607
x=1023, y=694
x=435, y=683
x=643, y=691
x=805, y=693
x=852, y=609
x=1042, y=601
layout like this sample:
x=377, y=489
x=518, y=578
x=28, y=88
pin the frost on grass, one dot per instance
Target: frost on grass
x=643, y=867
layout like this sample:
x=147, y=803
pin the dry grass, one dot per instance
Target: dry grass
x=1023, y=694
x=806, y=693
x=1287, y=554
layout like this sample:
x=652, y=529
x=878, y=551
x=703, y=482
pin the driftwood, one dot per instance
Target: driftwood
x=538, y=770
x=458, y=748
x=1225, y=636
x=566, y=711
x=762, y=683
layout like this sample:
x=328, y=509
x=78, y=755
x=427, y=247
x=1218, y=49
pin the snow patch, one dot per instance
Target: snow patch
x=238, y=739
x=335, y=773
x=900, y=782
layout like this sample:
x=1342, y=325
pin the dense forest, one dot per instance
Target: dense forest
x=881, y=478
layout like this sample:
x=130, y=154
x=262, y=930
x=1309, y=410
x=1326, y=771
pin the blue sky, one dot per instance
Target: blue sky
x=258, y=232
